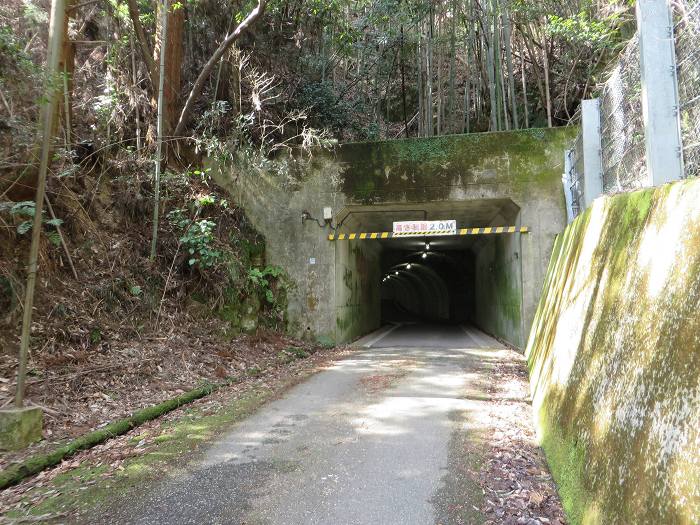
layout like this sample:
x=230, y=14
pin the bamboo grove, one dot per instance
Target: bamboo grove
x=357, y=69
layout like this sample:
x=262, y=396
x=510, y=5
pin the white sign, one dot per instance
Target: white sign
x=312, y=260
x=425, y=228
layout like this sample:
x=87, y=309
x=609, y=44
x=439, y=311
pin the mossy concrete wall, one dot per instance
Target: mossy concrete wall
x=499, y=289
x=614, y=357
x=524, y=166
x=358, y=276
x=19, y=427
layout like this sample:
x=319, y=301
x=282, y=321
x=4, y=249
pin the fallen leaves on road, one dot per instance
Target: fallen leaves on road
x=79, y=393
x=518, y=488
x=113, y=454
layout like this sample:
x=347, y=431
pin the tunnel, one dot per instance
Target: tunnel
x=438, y=280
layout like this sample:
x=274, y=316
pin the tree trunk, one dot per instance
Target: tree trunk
x=143, y=41
x=438, y=86
x=135, y=87
x=403, y=84
x=173, y=62
x=421, y=83
x=451, y=97
x=66, y=66
x=48, y=111
x=163, y=33
x=429, y=122
x=489, y=49
x=526, y=110
x=545, y=62
x=507, y=36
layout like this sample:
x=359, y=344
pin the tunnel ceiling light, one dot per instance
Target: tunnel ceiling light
x=408, y=266
x=396, y=273
x=427, y=246
x=425, y=255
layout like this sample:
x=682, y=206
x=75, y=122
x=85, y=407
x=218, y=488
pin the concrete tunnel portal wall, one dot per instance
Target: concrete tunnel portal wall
x=434, y=279
x=480, y=180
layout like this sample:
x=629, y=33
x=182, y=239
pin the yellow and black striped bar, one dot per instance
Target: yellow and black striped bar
x=462, y=231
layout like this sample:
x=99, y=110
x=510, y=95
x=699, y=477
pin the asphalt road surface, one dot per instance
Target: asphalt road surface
x=385, y=436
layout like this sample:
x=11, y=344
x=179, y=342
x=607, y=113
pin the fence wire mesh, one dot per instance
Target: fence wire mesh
x=622, y=139
x=575, y=176
x=622, y=124
x=687, y=33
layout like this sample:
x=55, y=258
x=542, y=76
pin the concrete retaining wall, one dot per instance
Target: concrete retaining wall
x=522, y=166
x=499, y=289
x=614, y=357
x=357, y=301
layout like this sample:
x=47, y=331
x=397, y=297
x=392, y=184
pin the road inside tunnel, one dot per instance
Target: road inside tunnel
x=429, y=280
x=451, y=280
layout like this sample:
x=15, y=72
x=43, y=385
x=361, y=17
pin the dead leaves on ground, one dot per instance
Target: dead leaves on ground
x=518, y=488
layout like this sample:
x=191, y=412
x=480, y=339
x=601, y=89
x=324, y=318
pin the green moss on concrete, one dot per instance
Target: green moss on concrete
x=508, y=291
x=357, y=296
x=430, y=168
x=566, y=458
x=19, y=427
x=614, y=359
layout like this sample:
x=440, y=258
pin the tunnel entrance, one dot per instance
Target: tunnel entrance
x=427, y=280
x=462, y=279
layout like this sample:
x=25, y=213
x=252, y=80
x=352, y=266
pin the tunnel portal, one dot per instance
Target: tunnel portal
x=337, y=289
x=455, y=279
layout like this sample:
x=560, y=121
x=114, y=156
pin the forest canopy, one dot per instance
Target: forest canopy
x=306, y=70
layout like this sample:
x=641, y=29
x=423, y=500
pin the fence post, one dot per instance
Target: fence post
x=660, y=106
x=567, y=182
x=592, y=161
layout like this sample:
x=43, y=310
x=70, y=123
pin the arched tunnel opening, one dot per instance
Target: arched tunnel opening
x=454, y=279
x=427, y=280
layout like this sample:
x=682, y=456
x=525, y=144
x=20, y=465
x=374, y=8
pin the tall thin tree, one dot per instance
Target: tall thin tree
x=160, y=125
x=48, y=114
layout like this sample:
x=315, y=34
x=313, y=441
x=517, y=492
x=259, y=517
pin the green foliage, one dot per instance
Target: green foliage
x=371, y=132
x=291, y=353
x=197, y=238
x=95, y=336
x=325, y=341
x=23, y=208
x=34, y=13
x=12, y=53
x=211, y=138
x=254, y=371
x=581, y=29
x=297, y=352
x=261, y=279
x=324, y=107
x=206, y=200
x=27, y=209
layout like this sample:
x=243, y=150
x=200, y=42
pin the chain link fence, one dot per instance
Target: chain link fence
x=617, y=131
x=575, y=179
x=622, y=124
x=687, y=33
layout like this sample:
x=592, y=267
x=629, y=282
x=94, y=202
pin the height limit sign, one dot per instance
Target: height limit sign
x=425, y=228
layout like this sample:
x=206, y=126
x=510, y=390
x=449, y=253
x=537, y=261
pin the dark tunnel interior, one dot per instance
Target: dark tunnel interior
x=429, y=284
x=456, y=279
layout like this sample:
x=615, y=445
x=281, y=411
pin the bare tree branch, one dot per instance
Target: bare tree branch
x=198, y=86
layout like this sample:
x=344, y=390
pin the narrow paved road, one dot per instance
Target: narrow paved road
x=386, y=436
